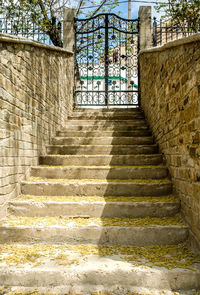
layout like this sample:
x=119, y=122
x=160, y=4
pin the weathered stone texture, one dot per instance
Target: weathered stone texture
x=35, y=99
x=170, y=91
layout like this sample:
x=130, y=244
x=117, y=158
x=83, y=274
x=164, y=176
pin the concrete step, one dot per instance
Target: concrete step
x=101, y=149
x=32, y=206
x=102, y=140
x=94, y=172
x=88, y=187
x=107, y=123
x=98, y=231
x=103, y=133
x=86, y=160
x=85, y=269
x=89, y=128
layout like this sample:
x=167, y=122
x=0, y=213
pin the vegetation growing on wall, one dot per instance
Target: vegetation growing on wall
x=183, y=13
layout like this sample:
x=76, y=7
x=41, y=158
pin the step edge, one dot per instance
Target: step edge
x=128, y=203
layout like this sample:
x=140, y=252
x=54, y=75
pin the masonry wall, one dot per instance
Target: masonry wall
x=170, y=97
x=35, y=99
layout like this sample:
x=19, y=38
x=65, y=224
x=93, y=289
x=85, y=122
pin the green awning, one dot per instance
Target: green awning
x=103, y=77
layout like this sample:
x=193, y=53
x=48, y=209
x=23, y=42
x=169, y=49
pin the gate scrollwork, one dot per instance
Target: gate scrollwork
x=106, y=61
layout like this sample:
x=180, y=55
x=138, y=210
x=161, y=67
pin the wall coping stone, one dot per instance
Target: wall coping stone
x=171, y=44
x=21, y=40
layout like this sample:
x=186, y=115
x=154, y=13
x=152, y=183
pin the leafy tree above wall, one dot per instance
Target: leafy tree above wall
x=182, y=12
x=46, y=15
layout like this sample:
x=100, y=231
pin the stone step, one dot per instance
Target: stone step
x=106, y=116
x=99, y=172
x=88, y=128
x=33, y=206
x=111, y=109
x=101, y=149
x=88, y=187
x=86, y=160
x=98, y=231
x=92, y=290
x=103, y=133
x=107, y=123
x=108, y=112
x=85, y=269
x=102, y=140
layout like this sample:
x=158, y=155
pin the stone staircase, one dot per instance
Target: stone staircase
x=98, y=216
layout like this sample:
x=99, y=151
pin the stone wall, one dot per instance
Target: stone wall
x=35, y=99
x=170, y=97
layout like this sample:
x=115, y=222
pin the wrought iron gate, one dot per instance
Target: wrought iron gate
x=106, y=61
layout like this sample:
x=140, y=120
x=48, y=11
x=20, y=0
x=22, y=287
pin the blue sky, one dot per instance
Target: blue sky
x=123, y=8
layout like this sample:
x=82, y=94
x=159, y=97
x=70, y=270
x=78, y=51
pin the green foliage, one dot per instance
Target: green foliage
x=45, y=14
x=183, y=13
x=95, y=10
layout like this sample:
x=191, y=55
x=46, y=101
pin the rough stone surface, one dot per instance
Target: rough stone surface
x=93, y=209
x=35, y=98
x=101, y=235
x=76, y=160
x=101, y=172
x=95, y=274
x=89, y=188
x=170, y=91
x=95, y=289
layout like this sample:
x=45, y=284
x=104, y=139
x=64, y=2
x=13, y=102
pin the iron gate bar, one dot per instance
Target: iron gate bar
x=111, y=27
x=138, y=62
x=115, y=59
x=106, y=59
